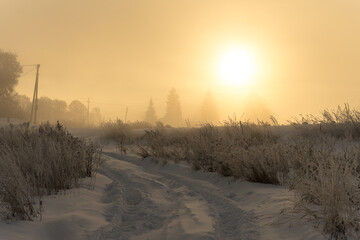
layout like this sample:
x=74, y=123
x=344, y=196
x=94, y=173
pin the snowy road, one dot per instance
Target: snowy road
x=154, y=202
x=139, y=199
x=151, y=201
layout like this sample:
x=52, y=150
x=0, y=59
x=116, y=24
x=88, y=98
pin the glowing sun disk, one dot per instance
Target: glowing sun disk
x=236, y=67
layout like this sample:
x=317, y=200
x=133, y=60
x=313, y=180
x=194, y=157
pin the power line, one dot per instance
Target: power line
x=27, y=72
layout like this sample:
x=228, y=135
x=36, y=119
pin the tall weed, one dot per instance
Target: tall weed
x=318, y=159
x=39, y=161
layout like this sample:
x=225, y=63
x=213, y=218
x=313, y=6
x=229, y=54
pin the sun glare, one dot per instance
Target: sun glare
x=236, y=67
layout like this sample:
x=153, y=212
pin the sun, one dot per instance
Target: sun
x=236, y=67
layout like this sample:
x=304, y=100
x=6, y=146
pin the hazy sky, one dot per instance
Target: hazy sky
x=120, y=53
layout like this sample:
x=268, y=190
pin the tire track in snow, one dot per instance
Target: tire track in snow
x=129, y=211
x=231, y=222
x=150, y=202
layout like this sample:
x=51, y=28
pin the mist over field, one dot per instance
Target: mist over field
x=181, y=119
x=122, y=53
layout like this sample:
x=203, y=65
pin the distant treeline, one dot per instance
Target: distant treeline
x=49, y=110
x=53, y=110
x=254, y=110
x=14, y=105
x=173, y=113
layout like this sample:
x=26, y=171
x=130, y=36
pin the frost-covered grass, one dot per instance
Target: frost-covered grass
x=327, y=182
x=317, y=157
x=116, y=129
x=37, y=161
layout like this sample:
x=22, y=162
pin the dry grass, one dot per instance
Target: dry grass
x=318, y=158
x=327, y=183
x=39, y=161
x=117, y=130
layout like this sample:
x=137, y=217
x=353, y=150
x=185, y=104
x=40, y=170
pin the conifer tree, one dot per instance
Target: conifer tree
x=150, y=115
x=209, y=111
x=173, y=114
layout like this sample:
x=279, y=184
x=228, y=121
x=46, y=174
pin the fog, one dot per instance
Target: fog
x=119, y=54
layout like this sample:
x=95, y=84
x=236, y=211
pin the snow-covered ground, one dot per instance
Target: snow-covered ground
x=7, y=121
x=141, y=199
x=65, y=216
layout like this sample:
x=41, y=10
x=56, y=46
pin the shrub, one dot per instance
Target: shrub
x=328, y=185
x=340, y=123
x=318, y=159
x=116, y=129
x=43, y=160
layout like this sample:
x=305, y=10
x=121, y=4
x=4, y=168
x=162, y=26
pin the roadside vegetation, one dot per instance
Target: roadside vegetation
x=318, y=157
x=39, y=161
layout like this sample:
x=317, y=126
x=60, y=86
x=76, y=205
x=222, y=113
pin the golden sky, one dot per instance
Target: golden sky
x=119, y=53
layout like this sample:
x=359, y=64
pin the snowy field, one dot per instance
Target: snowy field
x=7, y=121
x=141, y=199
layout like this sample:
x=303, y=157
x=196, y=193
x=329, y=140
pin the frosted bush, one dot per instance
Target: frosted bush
x=38, y=161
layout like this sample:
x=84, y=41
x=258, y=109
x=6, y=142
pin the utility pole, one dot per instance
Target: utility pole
x=126, y=114
x=88, y=112
x=34, y=107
